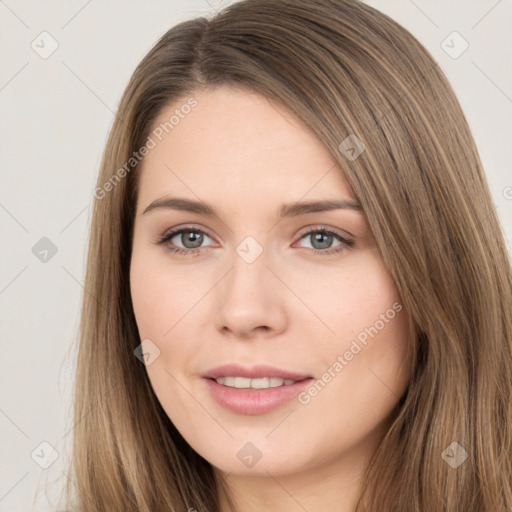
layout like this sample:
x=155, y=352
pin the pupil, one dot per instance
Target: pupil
x=191, y=239
x=324, y=241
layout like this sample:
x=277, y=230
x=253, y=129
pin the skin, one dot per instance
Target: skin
x=291, y=308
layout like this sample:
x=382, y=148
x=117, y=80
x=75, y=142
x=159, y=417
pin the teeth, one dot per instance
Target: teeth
x=261, y=383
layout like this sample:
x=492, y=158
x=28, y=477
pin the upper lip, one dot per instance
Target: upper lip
x=252, y=372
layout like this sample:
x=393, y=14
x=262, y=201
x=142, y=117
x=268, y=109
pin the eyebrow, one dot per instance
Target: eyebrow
x=287, y=210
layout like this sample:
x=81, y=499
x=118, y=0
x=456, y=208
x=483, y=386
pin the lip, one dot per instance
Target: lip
x=253, y=401
x=253, y=372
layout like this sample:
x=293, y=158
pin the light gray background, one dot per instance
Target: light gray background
x=55, y=116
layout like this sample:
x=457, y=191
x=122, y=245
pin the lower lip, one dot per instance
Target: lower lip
x=254, y=401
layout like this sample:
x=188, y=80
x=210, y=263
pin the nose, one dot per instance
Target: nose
x=252, y=301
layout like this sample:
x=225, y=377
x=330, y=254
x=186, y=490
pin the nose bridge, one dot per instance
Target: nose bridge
x=250, y=297
x=249, y=274
x=249, y=249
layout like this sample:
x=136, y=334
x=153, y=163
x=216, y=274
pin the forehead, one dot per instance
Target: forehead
x=237, y=144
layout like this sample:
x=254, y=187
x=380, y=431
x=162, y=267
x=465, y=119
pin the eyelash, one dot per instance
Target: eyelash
x=344, y=243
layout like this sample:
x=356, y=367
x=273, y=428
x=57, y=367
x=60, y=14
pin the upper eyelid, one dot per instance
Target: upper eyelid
x=319, y=227
x=175, y=231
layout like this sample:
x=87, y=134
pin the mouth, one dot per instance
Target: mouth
x=256, y=390
x=253, y=373
x=260, y=383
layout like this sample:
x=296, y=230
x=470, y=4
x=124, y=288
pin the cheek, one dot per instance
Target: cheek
x=163, y=303
x=366, y=358
x=162, y=294
x=168, y=303
x=351, y=296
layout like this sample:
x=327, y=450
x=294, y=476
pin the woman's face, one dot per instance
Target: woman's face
x=238, y=261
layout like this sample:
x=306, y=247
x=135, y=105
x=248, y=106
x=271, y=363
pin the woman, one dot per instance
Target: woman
x=298, y=294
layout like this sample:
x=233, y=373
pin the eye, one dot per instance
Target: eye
x=323, y=241
x=187, y=240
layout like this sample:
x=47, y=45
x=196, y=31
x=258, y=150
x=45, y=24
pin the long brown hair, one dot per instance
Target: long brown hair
x=344, y=69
